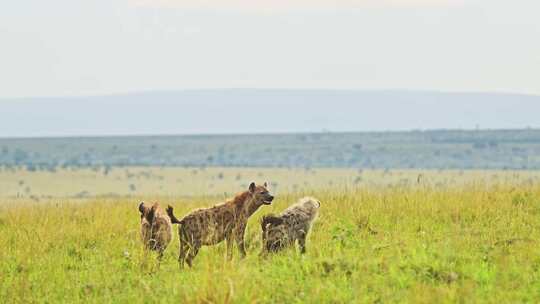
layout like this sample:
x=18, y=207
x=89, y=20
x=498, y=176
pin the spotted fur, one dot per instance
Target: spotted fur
x=156, y=228
x=225, y=221
x=293, y=224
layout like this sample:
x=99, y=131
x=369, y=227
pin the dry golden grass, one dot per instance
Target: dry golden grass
x=183, y=182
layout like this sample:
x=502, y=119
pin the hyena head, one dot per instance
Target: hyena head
x=260, y=195
x=310, y=205
x=149, y=229
x=274, y=236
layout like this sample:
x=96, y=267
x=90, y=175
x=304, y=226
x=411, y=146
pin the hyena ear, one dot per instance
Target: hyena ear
x=141, y=207
x=265, y=184
x=252, y=187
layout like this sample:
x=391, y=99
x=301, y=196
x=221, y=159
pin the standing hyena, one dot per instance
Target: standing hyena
x=225, y=221
x=156, y=228
x=294, y=223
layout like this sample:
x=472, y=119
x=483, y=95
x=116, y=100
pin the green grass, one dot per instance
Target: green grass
x=465, y=242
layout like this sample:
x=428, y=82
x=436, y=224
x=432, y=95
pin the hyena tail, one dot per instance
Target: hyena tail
x=174, y=220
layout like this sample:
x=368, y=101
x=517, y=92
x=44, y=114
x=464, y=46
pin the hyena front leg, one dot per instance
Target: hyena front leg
x=239, y=236
x=229, y=240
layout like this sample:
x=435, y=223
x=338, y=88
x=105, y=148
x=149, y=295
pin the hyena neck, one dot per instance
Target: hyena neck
x=245, y=205
x=252, y=206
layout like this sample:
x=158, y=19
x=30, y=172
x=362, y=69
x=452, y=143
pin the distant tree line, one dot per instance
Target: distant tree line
x=441, y=149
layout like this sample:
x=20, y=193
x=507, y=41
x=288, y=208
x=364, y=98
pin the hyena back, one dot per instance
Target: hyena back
x=226, y=221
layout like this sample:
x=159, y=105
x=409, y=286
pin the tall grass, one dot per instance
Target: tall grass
x=467, y=243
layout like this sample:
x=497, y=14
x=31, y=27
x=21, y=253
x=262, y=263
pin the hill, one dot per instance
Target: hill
x=251, y=111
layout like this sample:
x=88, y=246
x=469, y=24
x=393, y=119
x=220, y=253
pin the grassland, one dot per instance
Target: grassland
x=177, y=182
x=381, y=237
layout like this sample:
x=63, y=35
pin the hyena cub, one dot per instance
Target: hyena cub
x=283, y=230
x=156, y=228
x=225, y=221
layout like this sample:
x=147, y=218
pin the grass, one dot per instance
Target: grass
x=190, y=182
x=468, y=241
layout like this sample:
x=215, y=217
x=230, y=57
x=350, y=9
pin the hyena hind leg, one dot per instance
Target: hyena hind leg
x=184, y=247
x=193, y=251
x=302, y=242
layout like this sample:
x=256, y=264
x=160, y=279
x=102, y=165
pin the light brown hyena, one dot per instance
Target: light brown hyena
x=156, y=228
x=283, y=230
x=225, y=221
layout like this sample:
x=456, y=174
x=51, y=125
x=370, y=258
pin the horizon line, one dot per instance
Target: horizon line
x=217, y=89
x=326, y=132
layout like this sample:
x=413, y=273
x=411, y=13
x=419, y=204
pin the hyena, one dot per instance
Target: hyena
x=225, y=221
x=156, y=228
x=283, y=230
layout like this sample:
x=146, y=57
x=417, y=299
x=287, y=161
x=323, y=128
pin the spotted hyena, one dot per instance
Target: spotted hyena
x=283, y=230
x=156, y=228
x=225, y=221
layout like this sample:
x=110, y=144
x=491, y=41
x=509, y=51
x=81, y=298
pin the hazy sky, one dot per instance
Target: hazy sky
x=81, y=47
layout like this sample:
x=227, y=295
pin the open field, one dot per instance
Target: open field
x=174, y=182
x=382, y=236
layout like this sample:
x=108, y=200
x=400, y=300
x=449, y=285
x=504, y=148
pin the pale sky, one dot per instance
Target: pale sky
x=92, y=47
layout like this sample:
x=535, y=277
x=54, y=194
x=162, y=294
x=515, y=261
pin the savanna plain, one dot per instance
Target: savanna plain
x=382, y=236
